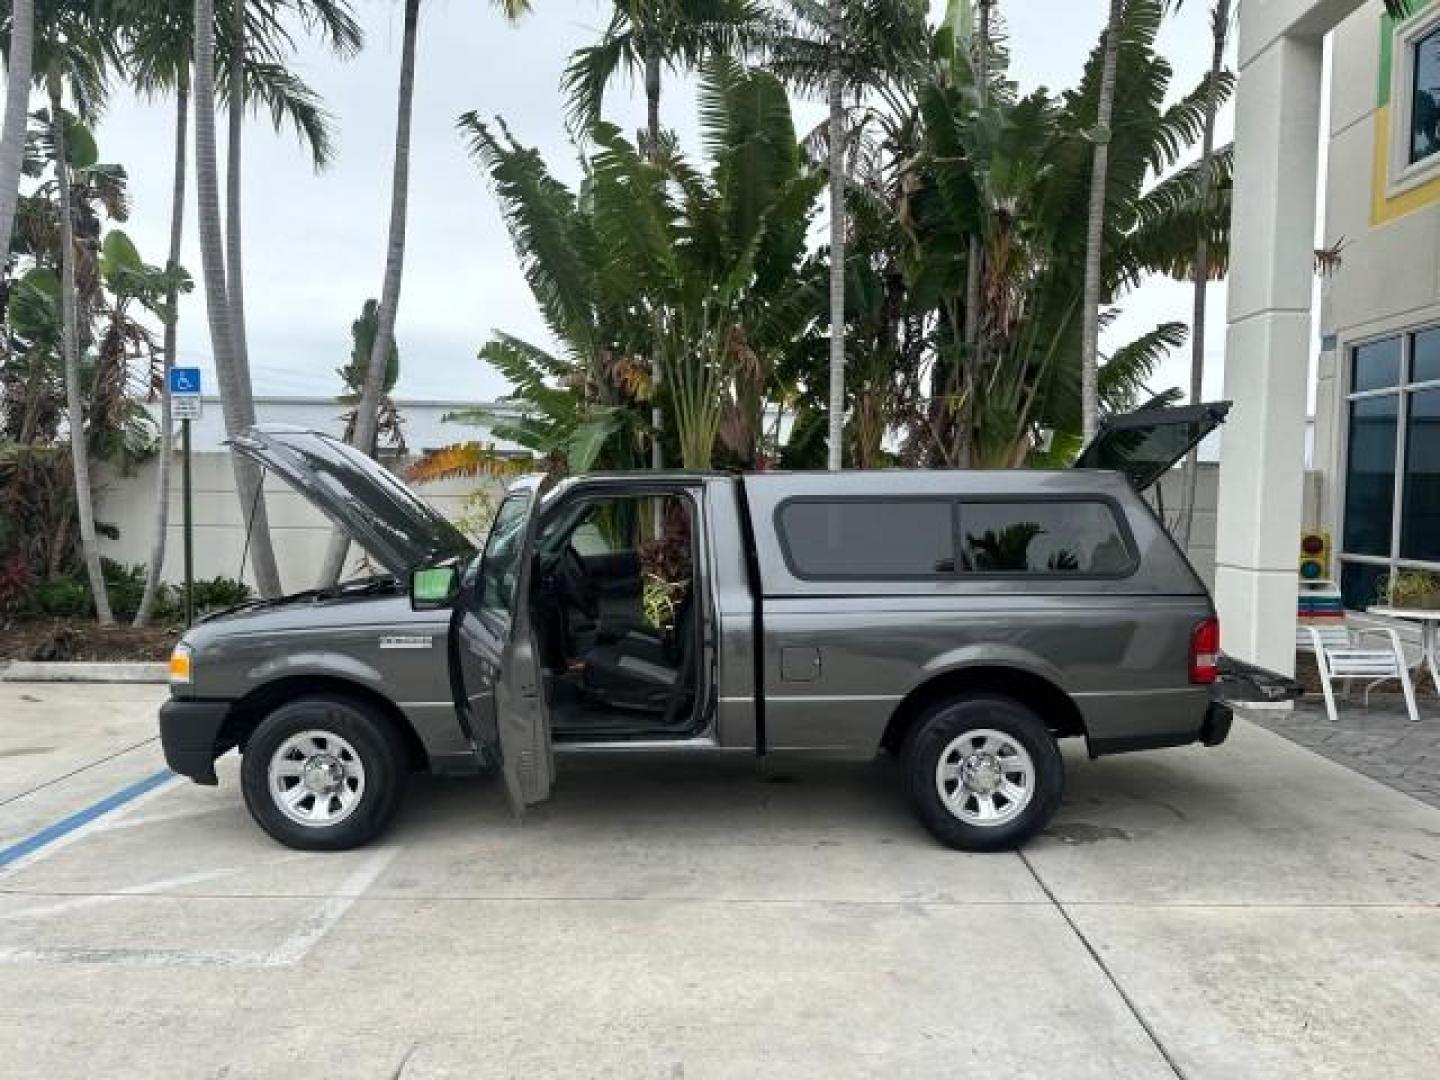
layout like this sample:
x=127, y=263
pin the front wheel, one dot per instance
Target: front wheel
x=982, y=772
x=323, y=774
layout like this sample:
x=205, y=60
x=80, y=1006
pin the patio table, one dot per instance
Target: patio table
x=1429, y=620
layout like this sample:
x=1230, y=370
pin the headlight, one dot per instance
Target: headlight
x=180, y=664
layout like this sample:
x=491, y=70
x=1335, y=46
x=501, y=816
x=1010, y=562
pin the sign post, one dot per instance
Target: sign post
x=185, y=406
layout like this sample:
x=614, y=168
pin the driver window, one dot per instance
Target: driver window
x=500, y=564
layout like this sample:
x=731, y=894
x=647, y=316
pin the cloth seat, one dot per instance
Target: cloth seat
x=640, y=670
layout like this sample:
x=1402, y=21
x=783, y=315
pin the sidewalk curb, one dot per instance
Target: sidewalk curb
x=83, y=672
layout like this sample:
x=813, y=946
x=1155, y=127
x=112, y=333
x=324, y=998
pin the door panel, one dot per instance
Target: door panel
x=496, y=654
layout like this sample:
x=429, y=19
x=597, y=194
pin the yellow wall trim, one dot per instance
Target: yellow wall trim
x=1382, y=209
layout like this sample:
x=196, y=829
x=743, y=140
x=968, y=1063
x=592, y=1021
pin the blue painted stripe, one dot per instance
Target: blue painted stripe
x=51, y=833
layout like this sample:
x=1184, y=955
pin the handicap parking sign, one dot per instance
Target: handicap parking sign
x=185, y=380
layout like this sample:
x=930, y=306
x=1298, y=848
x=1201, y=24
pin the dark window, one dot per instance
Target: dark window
x=1420, y=520
x=1043, y=537
x=1360, y=584
x=1376, y=365
x=1426, y=363
x=500, y=565
x=1425, y=99
x=881, y=538
x=1370, y=475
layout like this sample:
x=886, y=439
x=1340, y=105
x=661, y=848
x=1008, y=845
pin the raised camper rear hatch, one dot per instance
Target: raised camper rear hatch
x=1144, y=444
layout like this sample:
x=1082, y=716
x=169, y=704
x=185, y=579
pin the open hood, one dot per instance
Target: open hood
x=1145, y=444
x=363, y=498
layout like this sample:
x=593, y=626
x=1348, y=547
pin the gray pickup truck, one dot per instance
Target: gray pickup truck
x=963, y=620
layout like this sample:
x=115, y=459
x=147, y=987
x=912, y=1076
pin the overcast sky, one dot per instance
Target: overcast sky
x=314, y=243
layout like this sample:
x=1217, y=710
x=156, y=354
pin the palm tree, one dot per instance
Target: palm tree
x=1219, y=30
x=1094, y=234
x=70, y=352
x=836, y=95
x=286, y=97
x=1020, y=168
x=236, y=399
x=255, y=45
x=644, y=37
x=368, y=410
x=19, y=44
x=158, y=59
x=75, y=46
x=159, y=49
x=869, y=53
x=367, y=414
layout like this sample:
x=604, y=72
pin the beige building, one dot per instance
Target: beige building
x=1378, y=401
x=1375, y=422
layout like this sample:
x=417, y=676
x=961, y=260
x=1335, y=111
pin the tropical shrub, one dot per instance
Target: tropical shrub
x=63, y=597
x=213, y=594
x=17, y=583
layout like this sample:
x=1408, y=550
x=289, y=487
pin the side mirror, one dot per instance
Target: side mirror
x=433, y=587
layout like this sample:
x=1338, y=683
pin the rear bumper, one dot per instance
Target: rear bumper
x=191, y=733
x=1203, y=720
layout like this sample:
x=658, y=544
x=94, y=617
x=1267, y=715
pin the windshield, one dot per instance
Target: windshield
x=500, y=564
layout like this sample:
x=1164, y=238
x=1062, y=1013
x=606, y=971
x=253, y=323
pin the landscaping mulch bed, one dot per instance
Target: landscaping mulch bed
x=83, y=639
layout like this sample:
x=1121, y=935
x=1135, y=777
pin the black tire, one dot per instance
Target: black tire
x=938, y=728
x=374, y=741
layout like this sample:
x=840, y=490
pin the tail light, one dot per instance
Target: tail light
x=1205, y=651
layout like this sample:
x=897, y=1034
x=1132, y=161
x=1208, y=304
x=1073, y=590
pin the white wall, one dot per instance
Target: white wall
x=300, y=532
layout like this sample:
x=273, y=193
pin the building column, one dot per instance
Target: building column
x=1267, y=346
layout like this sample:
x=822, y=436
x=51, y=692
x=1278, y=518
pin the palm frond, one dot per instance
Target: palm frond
x=1122, y=380
x=290, y=102
x=464, y=461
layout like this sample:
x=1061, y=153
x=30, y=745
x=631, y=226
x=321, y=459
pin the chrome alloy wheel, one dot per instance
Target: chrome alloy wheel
x=316, y=778
x=985, y=777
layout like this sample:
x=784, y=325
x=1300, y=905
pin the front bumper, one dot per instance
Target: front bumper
x=192, y=734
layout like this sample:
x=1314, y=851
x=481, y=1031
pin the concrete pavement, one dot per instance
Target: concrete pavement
x=1254, y=910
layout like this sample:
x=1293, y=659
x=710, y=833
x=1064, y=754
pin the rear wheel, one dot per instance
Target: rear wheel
x=982, y=772
x=323, y=773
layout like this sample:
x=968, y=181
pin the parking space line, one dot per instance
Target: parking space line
x=149, y=888
x=69, y=829
x=298, y=945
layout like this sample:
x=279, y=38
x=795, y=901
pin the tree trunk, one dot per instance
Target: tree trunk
x=835, y=456
x=973, y=351
x=17, y=102
x=234, y=166
x=69, y=347
x=1094, y=234
x=234, y=381
x=652, y=129
x=172, y=320
x=367, y=417
x=1190, y=475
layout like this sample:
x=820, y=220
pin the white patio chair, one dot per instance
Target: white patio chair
x=1342, y=655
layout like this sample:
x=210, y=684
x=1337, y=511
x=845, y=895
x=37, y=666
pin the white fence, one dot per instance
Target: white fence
x=300, y=532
